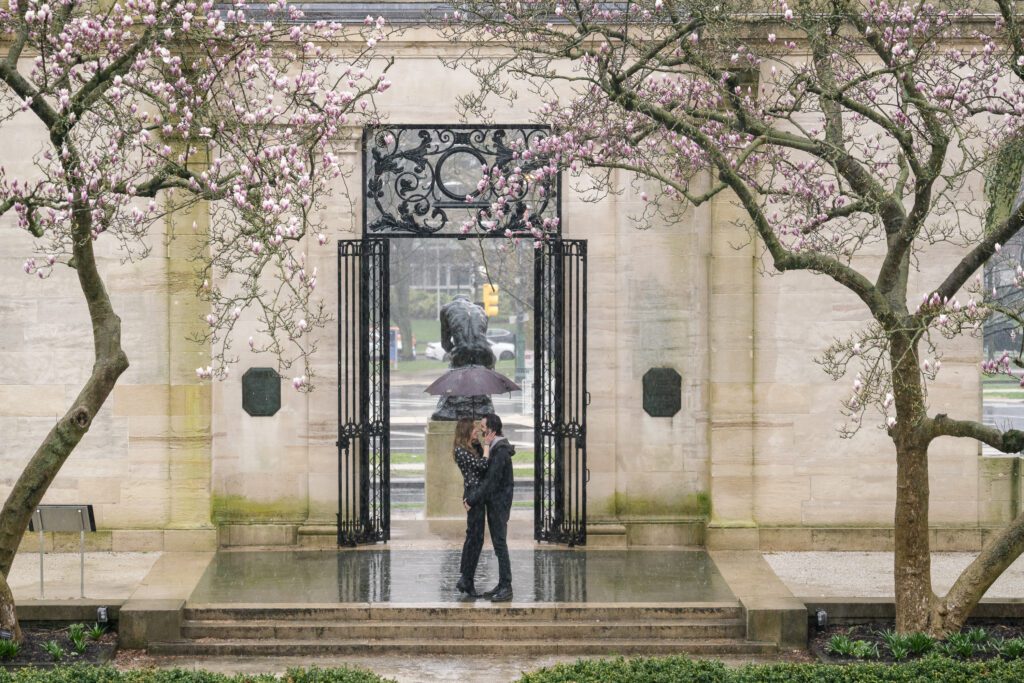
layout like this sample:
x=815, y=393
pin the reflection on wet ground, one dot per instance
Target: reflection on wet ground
x=540, y=575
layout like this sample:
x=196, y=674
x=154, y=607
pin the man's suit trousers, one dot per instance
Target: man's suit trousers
x=474, y=542
x=497, y=522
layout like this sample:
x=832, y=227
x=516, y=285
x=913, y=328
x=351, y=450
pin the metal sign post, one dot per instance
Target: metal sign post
x=65, y=518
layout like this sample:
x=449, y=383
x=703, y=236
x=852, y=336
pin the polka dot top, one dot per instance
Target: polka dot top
x=472, y=465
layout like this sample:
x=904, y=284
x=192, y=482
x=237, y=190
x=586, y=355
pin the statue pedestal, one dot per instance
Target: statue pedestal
x=443, y=480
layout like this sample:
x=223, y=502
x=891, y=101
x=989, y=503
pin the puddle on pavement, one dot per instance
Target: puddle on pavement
x=540, y=575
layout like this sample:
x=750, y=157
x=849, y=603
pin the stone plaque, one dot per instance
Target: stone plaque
x=662, y=392
x=261, y=392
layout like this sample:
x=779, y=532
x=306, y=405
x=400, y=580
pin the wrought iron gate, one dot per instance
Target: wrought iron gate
x=364, y=453
x=560, y=392
x=418, y=181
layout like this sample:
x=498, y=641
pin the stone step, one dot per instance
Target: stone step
x=482, y=611
x=285, y=648
x=472, y=630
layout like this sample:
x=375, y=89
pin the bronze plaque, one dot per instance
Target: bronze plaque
x=261, y=392
x=662, y=392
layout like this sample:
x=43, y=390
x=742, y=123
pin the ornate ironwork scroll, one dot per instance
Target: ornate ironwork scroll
x=423, y=181
x=364, y=499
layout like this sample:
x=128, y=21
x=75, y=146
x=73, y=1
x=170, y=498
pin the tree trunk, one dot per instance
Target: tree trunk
x=8, y=616
x=915, y=600
x=110, y=362
x=998, y=553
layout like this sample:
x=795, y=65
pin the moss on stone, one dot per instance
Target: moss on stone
x=691, y=504
x=235, y=508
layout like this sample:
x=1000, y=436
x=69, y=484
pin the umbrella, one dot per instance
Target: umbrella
x=471, y=380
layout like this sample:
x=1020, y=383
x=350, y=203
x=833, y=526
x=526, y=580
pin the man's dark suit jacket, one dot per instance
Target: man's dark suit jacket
x=497, y=486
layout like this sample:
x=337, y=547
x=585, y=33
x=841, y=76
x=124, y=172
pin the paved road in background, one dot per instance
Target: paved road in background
x=1004, y=414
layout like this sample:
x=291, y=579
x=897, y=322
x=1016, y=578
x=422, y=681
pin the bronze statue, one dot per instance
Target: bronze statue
x=464, y=339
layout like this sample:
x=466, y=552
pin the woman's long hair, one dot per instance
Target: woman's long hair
x=464, y=434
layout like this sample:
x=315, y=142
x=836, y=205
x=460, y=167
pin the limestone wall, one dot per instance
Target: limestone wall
x=754, y=448
x=144, y=464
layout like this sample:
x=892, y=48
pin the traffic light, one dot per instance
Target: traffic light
x=491, y=300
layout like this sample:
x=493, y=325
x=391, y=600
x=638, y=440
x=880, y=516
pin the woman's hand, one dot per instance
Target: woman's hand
x=487, y=449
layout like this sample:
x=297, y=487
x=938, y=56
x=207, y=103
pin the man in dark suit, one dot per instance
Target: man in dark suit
x=495, y=493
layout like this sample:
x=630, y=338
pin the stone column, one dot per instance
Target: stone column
x=733, y=279
x=190, y=404
x=443, y=480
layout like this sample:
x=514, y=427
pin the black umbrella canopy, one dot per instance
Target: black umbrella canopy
x=471, y=380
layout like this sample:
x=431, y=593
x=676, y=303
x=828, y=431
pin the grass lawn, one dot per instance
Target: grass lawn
x=517, y=504
x=522, y=464
x=518, y=473
x=1005, y=394
x=400, y=458
x=425, y=331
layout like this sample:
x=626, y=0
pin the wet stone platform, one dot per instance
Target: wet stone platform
x=394, y=575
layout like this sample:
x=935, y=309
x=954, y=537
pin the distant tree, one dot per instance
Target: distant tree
x=403, y=268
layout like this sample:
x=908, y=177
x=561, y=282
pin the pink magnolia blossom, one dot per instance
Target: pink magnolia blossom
x=245, y=133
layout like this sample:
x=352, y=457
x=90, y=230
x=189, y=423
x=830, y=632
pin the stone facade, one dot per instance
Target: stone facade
x=753, y=459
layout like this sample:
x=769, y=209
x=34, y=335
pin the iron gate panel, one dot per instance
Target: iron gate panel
x=560, y=392
x=364, y=453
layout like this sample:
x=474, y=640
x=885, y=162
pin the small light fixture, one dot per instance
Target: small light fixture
x=822, y=618
x=101, y=615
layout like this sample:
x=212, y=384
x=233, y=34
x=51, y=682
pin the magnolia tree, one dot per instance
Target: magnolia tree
x=143, y=107
x=842, y=129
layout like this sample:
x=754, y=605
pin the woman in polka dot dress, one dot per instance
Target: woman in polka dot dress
x=471, y=458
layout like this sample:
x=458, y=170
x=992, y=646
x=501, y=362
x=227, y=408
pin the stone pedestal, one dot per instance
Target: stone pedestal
x=443, y=480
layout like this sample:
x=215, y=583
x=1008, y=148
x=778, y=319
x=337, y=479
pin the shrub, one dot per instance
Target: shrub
x=1010, y=648
x=920, y=643
x=978, y=636
x=9, y=649
x=839, y=645
x=898, y=644
x=97, y=631
x=958, y=645
x=54, y=649
x=673, y=669
x=844, y=647
x=76, y=634
x=104, y=674
x=899, y=651
x=1013, y=648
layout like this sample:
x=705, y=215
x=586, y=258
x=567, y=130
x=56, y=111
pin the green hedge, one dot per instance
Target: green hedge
x=642, y=670
x=676, y=669
x=104, y=674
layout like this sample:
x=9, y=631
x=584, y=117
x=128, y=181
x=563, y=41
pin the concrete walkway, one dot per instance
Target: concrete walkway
x=869, y=575
x=108, y=576
x=423, y=669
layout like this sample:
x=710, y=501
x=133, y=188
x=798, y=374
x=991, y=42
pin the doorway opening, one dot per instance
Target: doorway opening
x=426, y=274
x=420, y=199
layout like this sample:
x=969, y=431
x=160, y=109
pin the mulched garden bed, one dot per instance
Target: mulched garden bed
x=978, y=641
x=33, y=650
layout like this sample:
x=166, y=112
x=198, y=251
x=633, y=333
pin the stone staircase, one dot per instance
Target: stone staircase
x=479, y=628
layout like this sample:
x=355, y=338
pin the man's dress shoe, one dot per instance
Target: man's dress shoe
x=503, y=594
